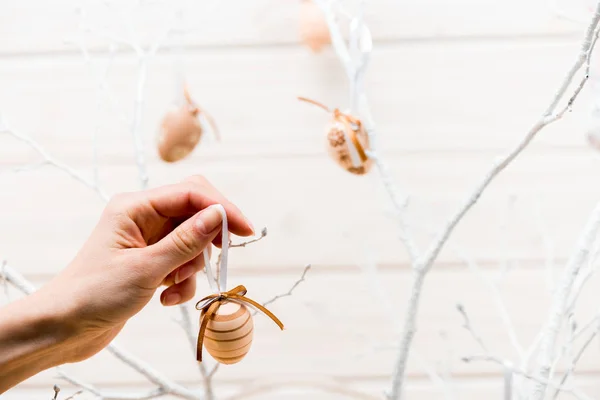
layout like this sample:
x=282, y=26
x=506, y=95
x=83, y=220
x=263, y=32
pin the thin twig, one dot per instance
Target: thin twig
x=50, y=160
x=552, y=326
x=263, y=233
x=574, y=362
x=505, y=364
x=186, y=325
x=425, y=263
x=341, y=391
x=289, y=292
x=71, y=397
x=467, y=325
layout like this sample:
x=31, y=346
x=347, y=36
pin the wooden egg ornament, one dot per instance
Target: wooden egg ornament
x=346, y=135
x=226, y=325
x=229, y=333
x=180, y=130
x=339, y=149
x=313, y=28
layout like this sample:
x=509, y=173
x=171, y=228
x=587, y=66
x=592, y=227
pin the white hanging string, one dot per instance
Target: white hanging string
x=360, y=48
x=221, y=286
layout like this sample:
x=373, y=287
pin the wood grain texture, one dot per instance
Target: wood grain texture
x=452, y=84
x=427, y=99
x=33, y=26
x=327, y=389
x=351, y=335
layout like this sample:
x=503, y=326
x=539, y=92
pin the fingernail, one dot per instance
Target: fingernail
x=183, y=273
x=251, y=226
x=172, y=299
x=208, y=220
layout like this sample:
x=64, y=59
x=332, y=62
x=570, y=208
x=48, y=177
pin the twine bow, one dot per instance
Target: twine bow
x=347, y=121
x=196, y=110
x=211, y=303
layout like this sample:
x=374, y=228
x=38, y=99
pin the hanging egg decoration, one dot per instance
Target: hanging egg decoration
x=314, y=31
x=347, y=141
x=229, y=333
x=181, y=130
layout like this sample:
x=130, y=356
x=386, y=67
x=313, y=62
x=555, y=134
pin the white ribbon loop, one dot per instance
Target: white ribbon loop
x=221, y=286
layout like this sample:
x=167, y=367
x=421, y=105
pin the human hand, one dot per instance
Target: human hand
x=142, y=241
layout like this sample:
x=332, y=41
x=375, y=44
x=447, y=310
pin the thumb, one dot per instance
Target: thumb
x=187, y=241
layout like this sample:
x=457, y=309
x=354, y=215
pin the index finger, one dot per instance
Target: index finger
x=187, y=198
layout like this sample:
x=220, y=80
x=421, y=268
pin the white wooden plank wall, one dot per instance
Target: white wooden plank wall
x=452, y=85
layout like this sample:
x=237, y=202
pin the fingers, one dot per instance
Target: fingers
x=193, y=195
x=186, y=270
x=184, y=243
x=179, y=293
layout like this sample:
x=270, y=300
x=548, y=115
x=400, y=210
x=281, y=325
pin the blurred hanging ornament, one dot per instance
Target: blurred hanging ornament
x=347, y=141
x=593, y=131
x=181, y=130
x=226, y=325
x=314, y=31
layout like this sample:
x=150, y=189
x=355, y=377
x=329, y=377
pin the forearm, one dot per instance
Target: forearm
x=33, y=338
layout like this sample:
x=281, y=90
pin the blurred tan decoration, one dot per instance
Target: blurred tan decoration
x=181, y=129
x=226, y=326
x=347, y=141
x=314, y=31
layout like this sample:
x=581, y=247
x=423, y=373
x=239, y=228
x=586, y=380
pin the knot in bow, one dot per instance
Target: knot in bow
x=210, y=304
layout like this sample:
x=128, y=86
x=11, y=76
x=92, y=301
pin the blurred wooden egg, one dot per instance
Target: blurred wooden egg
x=314, y=31
x=593, y=137
x=180, y=132
x=338, y=146
x=229, y=333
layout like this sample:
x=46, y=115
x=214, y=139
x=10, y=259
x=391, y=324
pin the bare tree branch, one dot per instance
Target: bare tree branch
x=289, y=292
x=551, y=329
x=263, y=233
x=467, y=325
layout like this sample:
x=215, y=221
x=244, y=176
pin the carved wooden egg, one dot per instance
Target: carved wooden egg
x=180, y=132
x=339, y=148
x=229, y=333
x=314, y=31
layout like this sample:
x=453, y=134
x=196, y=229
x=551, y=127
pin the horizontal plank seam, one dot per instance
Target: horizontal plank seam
x=381, y=43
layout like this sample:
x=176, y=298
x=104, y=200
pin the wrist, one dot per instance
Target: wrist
x=34, y=336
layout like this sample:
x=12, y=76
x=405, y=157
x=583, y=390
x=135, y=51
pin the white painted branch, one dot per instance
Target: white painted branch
x=186, y=324
x=263, y=233
x=289, y=292
x=552, y=326
x=498, y=300
x=469, y=327
x=425, y=263
x=50, y=160
x=136, y=133
x=574, y=362
x=507, y=365
x=351, y=68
